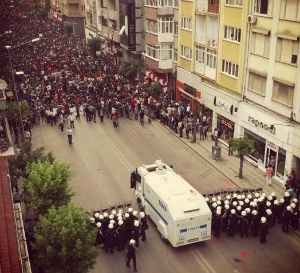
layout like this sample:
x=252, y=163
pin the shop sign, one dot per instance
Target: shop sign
x=131, y=27
x=227, y=123
x=262, y=125
x=189, y=89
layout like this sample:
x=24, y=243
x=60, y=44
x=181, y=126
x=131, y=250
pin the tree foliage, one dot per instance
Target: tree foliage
x=155, y=89
x=65, y=242
x=27, y=156
x=94, y=45
x=48, y=185
x=13, y=110
x=68, y=27
x=131, y=68
x=242, y=146
x=42, y=13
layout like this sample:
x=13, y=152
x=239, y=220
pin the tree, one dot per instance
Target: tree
x=26, y=156
x=42, y=13
x=64, y=241
x=155, y=89
x=13, y=109
x=48, y=185
x=68, y=27
x=131, y=68
x=94, y=45
x=242, y=146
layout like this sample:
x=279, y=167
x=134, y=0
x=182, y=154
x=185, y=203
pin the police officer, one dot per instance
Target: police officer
x=255, y=223
x=243, y=223
x=263, y=230
x=121, y=235
x=295, y=216
x=144, y=225
x=110, y=239
x=99, y=236
x=281, y=208
x=217, y=224
x=136, y=232
x=275, y=211
x=232, y=223
x=130, y=254
x=287, y=216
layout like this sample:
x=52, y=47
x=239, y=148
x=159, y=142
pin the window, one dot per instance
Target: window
x=166, y=25
x=175, y=28
x=166, y=52
x=283, y=93
x=238, y=3
x=151, y=26
x=83, y=8
x=166, y=3
x=176, y=4
x=230, y=68
x=211, y=58
x=152, y=51
x=200, y=54
x=290, y=9
x=287, y=50
x=257, y=83
x=186, y=22
x=261, y=6
x=260, y=44
x=175, y=55
x=151, y=3
x=186, y=52
x=233, y=34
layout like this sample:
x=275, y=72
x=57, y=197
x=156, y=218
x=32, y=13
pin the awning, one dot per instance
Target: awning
x=156, y=77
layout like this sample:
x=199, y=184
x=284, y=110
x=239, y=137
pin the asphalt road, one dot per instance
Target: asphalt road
x=101, y=160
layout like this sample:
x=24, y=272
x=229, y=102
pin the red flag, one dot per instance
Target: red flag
x=38, y=64
x=50, y=65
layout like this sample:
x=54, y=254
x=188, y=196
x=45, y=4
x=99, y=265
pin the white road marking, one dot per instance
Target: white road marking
x=86, y=163
x=206, y=267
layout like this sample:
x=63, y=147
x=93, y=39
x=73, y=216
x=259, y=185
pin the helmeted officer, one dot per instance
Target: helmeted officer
x=136, y=232
x=130, y=254
x=263, y=230
x=287, y=217
x=217, y=224
x=255, y=223
x=110, y=239
x=144, y=225
x=243, y=224
x=232, y=222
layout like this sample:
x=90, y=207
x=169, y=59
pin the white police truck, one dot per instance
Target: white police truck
x=179, y=211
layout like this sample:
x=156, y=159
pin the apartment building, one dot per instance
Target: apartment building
x=271, y=114
x=161, y=39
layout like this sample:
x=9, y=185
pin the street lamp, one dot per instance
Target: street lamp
x=9, y=48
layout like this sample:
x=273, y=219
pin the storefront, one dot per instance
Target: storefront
x=225, y=128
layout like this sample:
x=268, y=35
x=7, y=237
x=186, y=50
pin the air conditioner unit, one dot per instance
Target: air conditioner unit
x=252, y=19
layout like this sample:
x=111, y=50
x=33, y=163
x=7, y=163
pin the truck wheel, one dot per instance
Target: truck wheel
x=163, y=238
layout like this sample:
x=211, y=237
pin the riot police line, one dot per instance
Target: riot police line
x=252, y=213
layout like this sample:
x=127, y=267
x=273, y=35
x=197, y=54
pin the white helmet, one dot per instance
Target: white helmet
x=142, y=214
x=132, y=242
x=120, y=211
x=226, y=202
x=241, y=203
x=130, y=209
x=101, y=216
x=254, y=204
x=219, y=208
x=276, y=202
x=268, y=204
x=289, y=208
x=256, y=194
x=273, y=194
x=286, y=194
x=119, y=214
x=254, y=212
x=263, y=194
x=255, y=200
x=247, y=201
x=214, y=199
x=214, y=205
x=234, y=195
x=234, y=203
x=96, y=215
x=270, y=198
x=110, y=226
x=249, y=196
x=120, y=222
x=134, y=213
x=281, y=200
x=293, y=205
x=98, y=224
x=218, y=212
x=120, y=218
x=219, y=202
x=243, y=196
x=111, y=216
x=105, y=214
x=263, y=219
x=239, y=197
x=232, y=211
x=269, y=212
x=219, y=197
x=126, y=215
x=112, y=221
x=228, y=196
x=114, y=212
x=247, y=210
x=206, y=199
x=239, y=208
x=92, y=220
x=244, y=213
x=295, y=200
x=136, y=223
x=226, y=206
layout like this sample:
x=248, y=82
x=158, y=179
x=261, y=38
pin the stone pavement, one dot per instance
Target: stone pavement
x=253, y=177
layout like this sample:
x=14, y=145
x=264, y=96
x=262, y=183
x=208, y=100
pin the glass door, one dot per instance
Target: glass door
x=271, y=156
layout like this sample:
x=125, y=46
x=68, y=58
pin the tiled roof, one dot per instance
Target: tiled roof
x=9, y=252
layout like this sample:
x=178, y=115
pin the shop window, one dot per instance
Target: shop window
x=257, y=83
x=281, y=162
x=225, y=127
x=259, y=146
x=260, y=44
x=287, y=50
x=283, y=93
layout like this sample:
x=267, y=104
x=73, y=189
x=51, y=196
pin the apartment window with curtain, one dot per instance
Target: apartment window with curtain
x=186, y=22
x=290, y=9
x=283, y=93
x=152, y=51
x=166, y=3
x=200, y=54
x=263, y=6
x=230, y=68
x=238, y=3
x=151, y=26
x=287, y=51
x=260, y=44
x=257, y=83
x=166, y=25
x=232, y=34
x=151, y=3
x=211, y=58
x=166, y=52
x=186, y=52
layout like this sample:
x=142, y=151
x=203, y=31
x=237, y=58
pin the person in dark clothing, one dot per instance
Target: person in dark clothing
x=144, y=225
x=136, y=232
x=110, y=239
x=255, y=223
x=130, y=254
x=243, y=223
x=232, y=223
x=217, y=224
x=287, y=216
x=263, y=230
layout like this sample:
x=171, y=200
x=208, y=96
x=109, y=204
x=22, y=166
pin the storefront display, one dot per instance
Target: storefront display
x=281, y=162
x=225, y=127
x=259, y=146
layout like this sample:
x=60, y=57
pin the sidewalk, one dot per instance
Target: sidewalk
x=253, y=177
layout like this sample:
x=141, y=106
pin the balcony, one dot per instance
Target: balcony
x=213, y=9
x=165, y=37
x=162, y=11
x=161, y=66
x=112, y=14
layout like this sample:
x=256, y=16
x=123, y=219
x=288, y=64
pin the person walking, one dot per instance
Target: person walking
x=71, y=120
x=70, y=135
x=142, y=114
x=130, y=254
x=269, y=174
